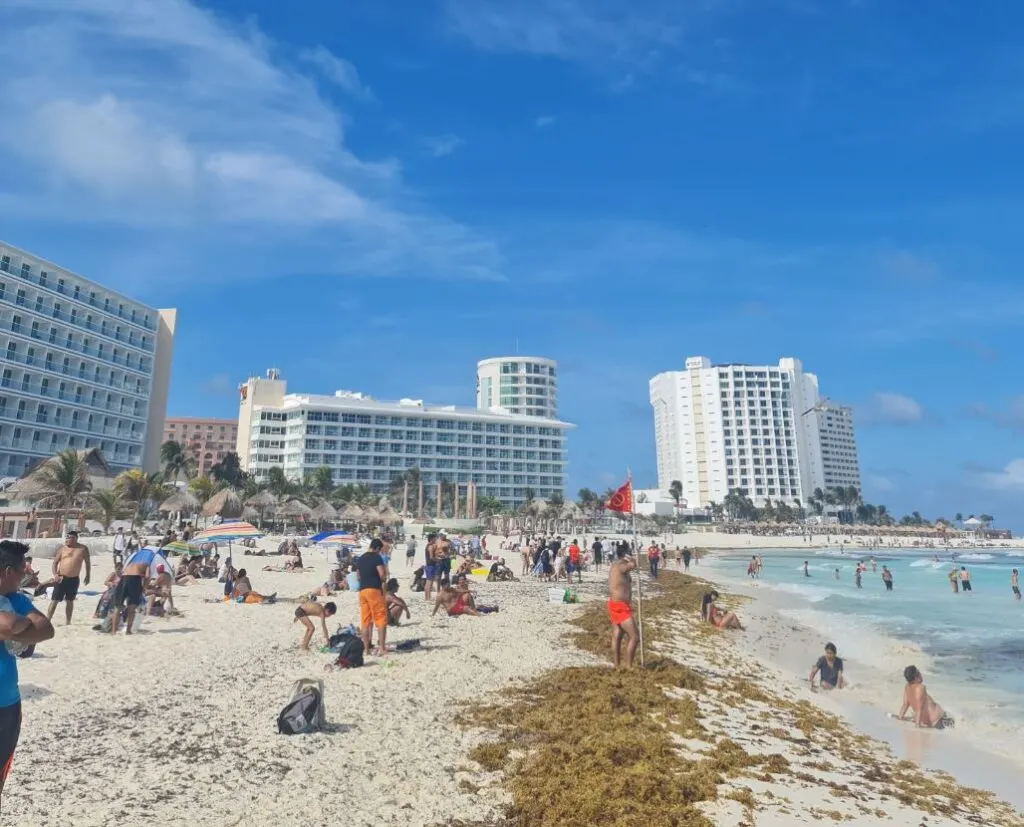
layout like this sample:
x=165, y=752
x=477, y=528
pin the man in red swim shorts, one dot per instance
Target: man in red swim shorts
x=620, y=587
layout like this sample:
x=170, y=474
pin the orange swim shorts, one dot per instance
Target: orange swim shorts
x=372, y=610
x=619, y=612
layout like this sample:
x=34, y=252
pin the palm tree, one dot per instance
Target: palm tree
x=107, y=506
x=229, y=470
x=175, y=459
x=202, y=488
x=137, y=488
x=62, y=483
x=278, y=484
x=556, y=502
x=320, y=481
x=675, y=491
x=958, y=518
x=529, y=495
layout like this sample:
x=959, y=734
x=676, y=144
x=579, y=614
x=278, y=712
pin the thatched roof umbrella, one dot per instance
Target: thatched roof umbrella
x=322, y=512
x=262, y=502
x=370, y=515
x=389, y=517
x=183, y=502
x=296, y=509
x=225, y=503
x=249, y=513
x=351, y=513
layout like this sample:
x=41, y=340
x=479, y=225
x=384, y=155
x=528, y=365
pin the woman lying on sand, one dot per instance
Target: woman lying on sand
x=715, y=616
x=459, y=602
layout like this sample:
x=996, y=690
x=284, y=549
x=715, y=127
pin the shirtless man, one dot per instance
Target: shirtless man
x=161, y=589
x=620, y=613
x=67, y=570
x=309, y=610
x=432, y=565
x=927, y=713
x=129, y=592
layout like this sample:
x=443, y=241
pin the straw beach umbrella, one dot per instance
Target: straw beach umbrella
x=323, y=512
x=370, y=515
x=296, y=509
x=351, y=513
x=183, y=502
x=262, y=502
x=225, y=503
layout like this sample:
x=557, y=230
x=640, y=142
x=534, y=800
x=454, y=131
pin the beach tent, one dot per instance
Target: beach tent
x=151, y=557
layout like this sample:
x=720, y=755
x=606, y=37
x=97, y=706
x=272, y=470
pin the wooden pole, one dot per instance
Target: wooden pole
x=639, y=576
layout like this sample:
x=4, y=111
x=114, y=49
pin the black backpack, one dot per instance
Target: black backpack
x=301, y=715
x=349, y=649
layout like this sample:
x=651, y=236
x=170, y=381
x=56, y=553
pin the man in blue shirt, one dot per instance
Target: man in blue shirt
x=21, y=625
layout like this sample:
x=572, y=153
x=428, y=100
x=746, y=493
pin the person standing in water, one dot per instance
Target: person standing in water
x=806, y=572
x=837, y=574
x=887, y=578
x=857, y=576
x=954, y=582
x=1015, y=585
x=874, y=566
x=965, y=579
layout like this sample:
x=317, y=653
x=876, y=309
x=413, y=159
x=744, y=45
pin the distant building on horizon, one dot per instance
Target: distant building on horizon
x=761, y=429
x=522, y=385
x=82, y=367
x=205, y=440
x=369, y=442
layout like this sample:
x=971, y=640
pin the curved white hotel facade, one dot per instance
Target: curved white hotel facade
x=369, y=442
x=523, y=385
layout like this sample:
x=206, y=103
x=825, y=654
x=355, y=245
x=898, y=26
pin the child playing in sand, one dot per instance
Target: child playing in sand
x=308, y=610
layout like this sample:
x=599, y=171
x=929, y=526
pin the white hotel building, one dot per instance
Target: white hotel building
x=526, y=385
x=760, y=429
x=82, y=367
x=369, y=442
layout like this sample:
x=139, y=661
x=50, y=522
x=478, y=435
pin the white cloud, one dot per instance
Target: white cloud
x=163, y=117
x=585, y=31
x=441, y=145
x=895, y=409
x=544, y=121
x=339, y=71
x=1011, y=478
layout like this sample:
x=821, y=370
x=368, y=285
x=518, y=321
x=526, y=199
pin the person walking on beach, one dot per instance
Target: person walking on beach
x=965, y=579
x=120, y=544
x=410, y=551
x=1015, y=585
x=620, y=613
x=887, y=578
x=67, y=570
x=20, y=624
x=129, y=592
x=373, y=576
x=653, y=558
x=686, y=558
x=927, y=713
x=830, y=667
x=597, y=550
x=574, y=563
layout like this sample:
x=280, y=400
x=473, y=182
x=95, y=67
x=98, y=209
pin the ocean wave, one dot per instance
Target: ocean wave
x=976, y=556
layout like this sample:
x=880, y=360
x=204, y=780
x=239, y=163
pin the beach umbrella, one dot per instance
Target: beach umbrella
x=323, y=511
x=227, y=532
x=295, y=508
x=225, y=503
x=334, y=535
x=181, y=547
x=351, y=513
x=151, y=557
x=370, y=515
x=389, y=517
x=181, y=501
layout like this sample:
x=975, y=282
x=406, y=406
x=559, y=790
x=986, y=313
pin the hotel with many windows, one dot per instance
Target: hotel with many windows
x=369, y=442
x=82, y=367
x=760, y=429
x=526, y=385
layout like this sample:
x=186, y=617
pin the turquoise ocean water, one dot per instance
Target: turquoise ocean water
x=970, y=645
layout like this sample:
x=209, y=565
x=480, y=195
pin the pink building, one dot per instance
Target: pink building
x=207, y=440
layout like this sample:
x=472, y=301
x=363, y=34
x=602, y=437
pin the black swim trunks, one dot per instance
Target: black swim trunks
x=10, y=730
x=945, y=722
x=1016, y=590
x=129, y=590
x=966, y=586
x=66, y=589
x=300, y=613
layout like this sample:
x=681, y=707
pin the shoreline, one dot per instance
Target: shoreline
x=872, y=695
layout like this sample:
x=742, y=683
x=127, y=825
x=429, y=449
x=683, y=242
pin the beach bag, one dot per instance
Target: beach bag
x=305, y=711
x=350, y=651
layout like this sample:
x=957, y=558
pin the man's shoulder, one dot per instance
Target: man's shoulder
x=21, y=604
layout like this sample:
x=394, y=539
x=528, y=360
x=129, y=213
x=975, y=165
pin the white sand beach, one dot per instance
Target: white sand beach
x=177, y=724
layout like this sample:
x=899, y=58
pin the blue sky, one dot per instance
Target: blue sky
x=375, y=195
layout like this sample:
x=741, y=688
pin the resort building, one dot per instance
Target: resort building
x=82, y=367
x=759, y=429
x=368, y=442
x=521, y=385
x=838, y=446
x=205, y=440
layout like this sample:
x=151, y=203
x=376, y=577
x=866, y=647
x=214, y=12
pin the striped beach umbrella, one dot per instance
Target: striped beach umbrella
x=227, y=532
x=181, y=547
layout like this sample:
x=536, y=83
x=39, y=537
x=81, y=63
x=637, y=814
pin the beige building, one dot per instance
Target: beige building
x=206, y=440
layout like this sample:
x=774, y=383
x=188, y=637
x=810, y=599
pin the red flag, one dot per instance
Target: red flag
x=621, y=500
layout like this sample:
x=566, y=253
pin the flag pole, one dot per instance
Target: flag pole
x=639, y=578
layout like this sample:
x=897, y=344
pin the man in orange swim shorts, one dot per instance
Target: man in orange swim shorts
x=620, y=587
